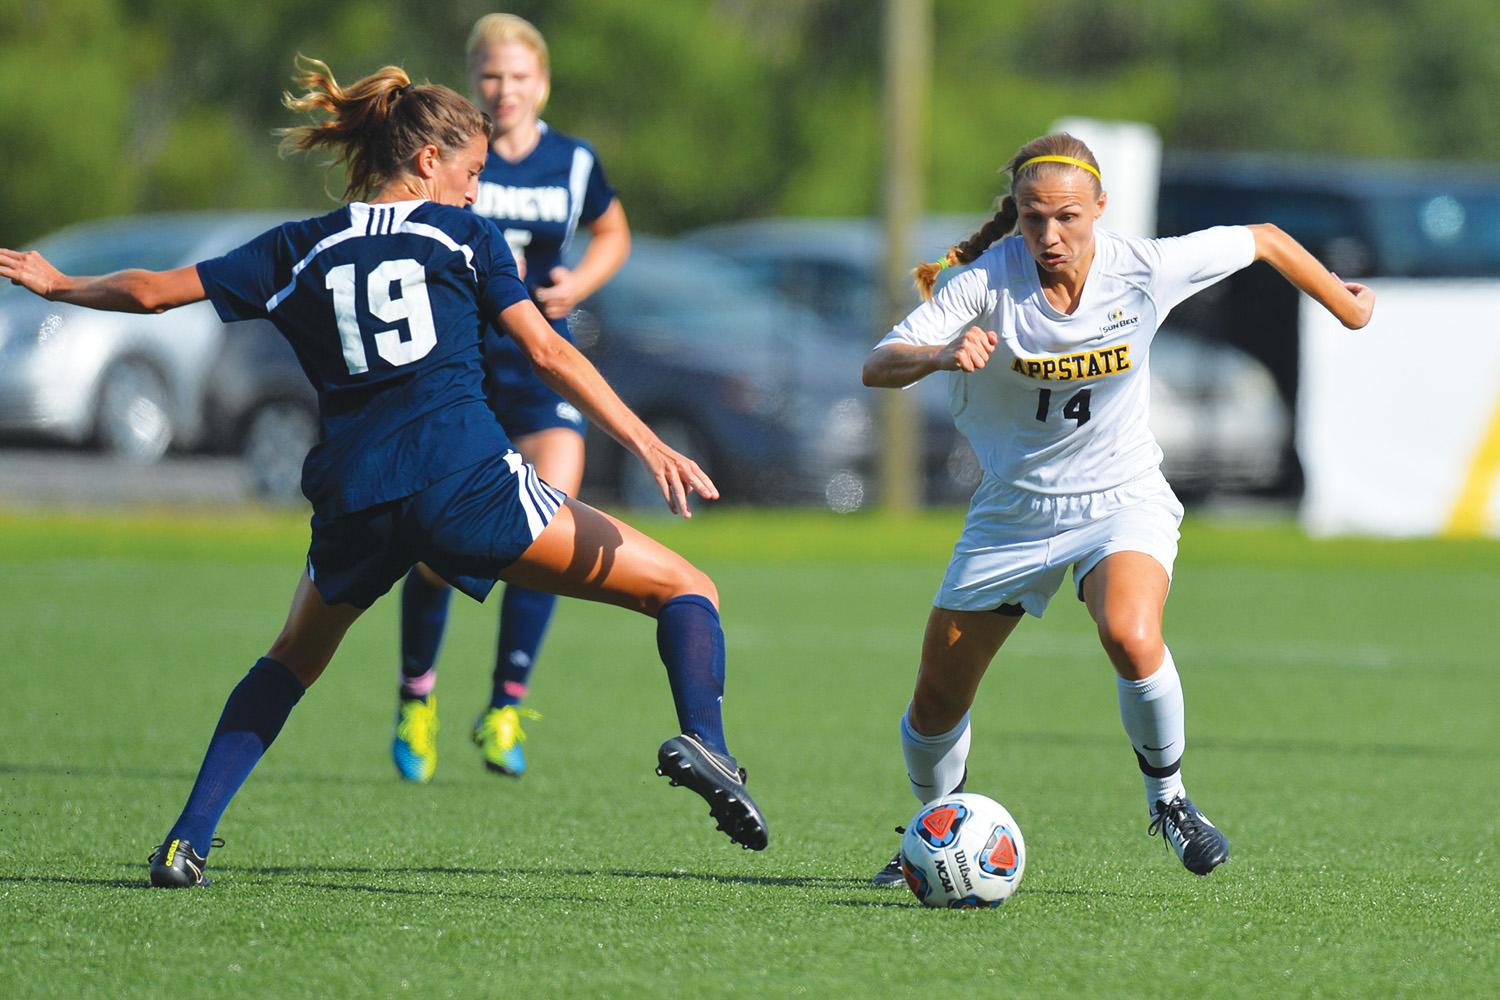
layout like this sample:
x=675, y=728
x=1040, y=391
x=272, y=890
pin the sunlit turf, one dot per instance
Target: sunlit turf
x=1344, y=707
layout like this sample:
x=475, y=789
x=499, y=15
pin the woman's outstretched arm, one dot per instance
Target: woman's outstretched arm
x=132, y=291
x=564, y=368
x=1351, y=303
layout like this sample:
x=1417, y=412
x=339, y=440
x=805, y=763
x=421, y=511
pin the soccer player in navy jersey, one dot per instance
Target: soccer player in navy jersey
x=539, y=186
x=385, y=301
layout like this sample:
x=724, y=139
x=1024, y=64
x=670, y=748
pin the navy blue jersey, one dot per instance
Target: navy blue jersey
x=540, y=200
x=385, y=306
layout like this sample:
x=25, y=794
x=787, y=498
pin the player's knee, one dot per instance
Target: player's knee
x=1135, y=647
x=679, y=579
x=305, y=663
x=935, y=710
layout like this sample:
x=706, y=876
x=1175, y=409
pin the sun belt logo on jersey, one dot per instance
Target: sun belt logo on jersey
x=1118, y=319
x=939, y=826
x=999, y=856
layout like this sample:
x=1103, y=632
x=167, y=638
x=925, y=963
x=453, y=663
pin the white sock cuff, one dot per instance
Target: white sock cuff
x=1164, y=675
x=941, y=739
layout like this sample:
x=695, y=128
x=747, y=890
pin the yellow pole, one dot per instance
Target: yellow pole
x=907, y=85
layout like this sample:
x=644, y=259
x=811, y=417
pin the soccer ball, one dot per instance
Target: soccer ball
x=963, y=851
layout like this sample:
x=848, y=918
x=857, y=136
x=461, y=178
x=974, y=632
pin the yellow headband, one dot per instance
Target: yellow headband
x=1071, y=161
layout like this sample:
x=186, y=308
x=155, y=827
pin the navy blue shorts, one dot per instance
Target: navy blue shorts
x=468, y=526
x=523, y=402
x=526, y=405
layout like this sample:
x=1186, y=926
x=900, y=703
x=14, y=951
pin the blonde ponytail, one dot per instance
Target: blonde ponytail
x=377, y=124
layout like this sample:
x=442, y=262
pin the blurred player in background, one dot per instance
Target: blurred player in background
x=1048, y=336
x=539, y=186
x=385, y=301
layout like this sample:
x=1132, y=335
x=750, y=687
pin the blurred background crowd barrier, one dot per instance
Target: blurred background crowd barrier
x=747, y=141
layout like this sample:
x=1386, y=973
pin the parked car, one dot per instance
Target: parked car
x=755, y=388
x=262, y=407
x=133, y=384
x=831, y=267
x=1364, y=219
x=1215, y=410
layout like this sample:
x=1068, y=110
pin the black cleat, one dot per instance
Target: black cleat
x=175, y=865
x=891, y=874
x=684, y=760
x=1197, y=842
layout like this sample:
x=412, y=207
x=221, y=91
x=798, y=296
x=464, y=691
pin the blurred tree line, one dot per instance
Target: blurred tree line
x=705, y=110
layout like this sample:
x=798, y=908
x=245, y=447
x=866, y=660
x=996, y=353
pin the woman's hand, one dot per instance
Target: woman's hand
x=897, y=365
x=569, y=373
x=1352, y=304
x=31, y=271
x=677, y=476
x=969, y=351
x=565, y=292
x=609, y=245
x=1364, y=303
x=132, y=291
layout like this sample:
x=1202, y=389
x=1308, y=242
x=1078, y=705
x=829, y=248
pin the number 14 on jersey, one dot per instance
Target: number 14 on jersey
x=1076, y=408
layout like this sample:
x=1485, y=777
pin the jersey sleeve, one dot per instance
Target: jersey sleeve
x=1185, y=265
x=597, y=192
x=500, y=284
x=951, y=310
x=241, y=282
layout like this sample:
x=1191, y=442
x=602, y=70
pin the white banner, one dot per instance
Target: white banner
x=1129, y=155
x=1398, y=424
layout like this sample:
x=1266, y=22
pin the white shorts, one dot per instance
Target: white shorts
x=1017, y=545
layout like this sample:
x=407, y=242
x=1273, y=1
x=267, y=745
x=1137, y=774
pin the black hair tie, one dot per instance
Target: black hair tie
x=400, y=92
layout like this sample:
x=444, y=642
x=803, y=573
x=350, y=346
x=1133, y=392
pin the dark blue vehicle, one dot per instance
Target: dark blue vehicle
x=723, y=367
x=1363, y=219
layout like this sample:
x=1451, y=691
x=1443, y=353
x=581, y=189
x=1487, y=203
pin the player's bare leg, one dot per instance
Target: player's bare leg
x=312, y=633
x=957, y=648
x=1127, y=594
x=253, y=716
x=588, y=554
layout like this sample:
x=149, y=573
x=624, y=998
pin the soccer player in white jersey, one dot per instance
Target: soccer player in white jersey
x=1046, y=337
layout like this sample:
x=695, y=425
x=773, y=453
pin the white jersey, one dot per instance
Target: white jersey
x=1061, y=406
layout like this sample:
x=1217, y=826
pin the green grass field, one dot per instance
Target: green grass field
x=1344, y=730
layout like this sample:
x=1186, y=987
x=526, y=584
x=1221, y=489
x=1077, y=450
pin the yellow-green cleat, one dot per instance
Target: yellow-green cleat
x=415, y=747
x=499, y=734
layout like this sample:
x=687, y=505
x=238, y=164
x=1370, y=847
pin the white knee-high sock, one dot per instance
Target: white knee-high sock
x=935, y=765
x=1152, y=712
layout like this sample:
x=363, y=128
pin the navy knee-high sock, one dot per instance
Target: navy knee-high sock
x=255, y=712
x=691, y=643
x=524, y=616
x=424, y=615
